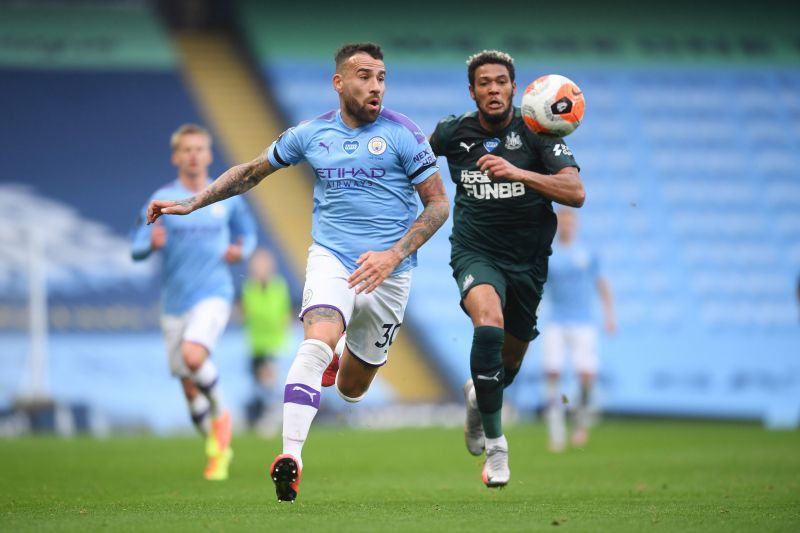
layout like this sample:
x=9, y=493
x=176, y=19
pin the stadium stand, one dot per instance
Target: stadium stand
x=690, y=167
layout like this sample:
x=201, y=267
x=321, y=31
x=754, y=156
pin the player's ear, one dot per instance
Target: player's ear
x=174, y=159
x=471, y=91
x=513, y=88
x=337, y=83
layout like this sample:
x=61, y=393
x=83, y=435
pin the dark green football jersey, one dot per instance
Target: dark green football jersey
x=509, y=222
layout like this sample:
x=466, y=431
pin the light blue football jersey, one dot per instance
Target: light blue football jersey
x=193, y=266
x=364, y=196
x=571, y=286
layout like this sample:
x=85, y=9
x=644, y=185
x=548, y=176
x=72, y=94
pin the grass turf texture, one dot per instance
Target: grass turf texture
x=633, y=476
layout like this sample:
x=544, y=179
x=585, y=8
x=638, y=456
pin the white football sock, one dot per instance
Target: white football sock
x=198, y=408
x=499, y=442
x=301, y=394
x=472, y=398
x=207, y=380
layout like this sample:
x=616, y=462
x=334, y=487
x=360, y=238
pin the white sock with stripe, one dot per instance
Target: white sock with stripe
x=301, y=394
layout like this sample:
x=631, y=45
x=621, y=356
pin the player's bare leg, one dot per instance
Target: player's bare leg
x=354, y=377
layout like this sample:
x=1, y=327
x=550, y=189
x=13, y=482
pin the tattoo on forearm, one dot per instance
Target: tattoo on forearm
x=233, y=181
x=430, y=220
x=187, y=201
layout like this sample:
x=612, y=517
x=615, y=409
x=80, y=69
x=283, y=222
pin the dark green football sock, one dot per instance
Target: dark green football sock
x=486, y=364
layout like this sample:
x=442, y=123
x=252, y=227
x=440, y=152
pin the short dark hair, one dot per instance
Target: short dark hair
x=489, y=57
x=350, y=49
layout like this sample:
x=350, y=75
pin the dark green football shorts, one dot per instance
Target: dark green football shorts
x=520, y=291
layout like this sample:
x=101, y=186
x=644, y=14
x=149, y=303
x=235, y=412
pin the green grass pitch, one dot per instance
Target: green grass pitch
x=633, y=476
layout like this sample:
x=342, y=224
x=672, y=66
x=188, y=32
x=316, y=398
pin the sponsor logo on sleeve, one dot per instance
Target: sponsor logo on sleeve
x=425, y=157
x=468, y=280
x=559, y=149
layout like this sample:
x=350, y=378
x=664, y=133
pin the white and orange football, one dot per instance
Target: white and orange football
x=553, y=105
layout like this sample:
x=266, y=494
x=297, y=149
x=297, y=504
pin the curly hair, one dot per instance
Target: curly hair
x=489, y=57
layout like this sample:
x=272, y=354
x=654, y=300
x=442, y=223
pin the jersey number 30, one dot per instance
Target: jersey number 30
x=389, y=334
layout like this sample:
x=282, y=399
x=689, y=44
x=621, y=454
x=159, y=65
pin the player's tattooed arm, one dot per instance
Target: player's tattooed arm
x=435, y=212
x=235, y=180
x=374, y=267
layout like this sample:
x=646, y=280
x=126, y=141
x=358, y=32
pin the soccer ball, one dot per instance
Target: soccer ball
x=553, y=105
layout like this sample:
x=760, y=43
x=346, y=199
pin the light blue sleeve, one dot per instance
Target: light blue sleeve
x=416, y=156
x=288, y=149
x=140, y=236
x=243, y=226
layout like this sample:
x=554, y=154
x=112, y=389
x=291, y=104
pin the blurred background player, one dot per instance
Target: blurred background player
x=503, y=225
x=572, y=282
x=369, y=161
x=266, y=310
x=197, y=288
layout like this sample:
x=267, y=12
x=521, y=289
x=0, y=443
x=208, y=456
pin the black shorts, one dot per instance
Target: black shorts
x=520, y=291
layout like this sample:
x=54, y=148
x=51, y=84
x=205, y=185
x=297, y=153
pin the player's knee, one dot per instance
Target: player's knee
x=487, y=347
x=489, y=317
x=194, y=355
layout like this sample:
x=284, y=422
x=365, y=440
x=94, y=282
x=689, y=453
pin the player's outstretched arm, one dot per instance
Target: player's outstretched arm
x=233, y=181
x=374, y=267
x=564, y=187
x=610, y=319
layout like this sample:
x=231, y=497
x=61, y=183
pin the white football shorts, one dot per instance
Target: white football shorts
x=202, y=324
x=579, y=341
x=371, y=320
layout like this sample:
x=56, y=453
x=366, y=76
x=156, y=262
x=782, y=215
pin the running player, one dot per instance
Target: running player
x=573, y=280
x=197, y=288
x=368, y=161
x=503, y=225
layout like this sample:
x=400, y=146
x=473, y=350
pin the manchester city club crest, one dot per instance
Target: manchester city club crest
x=513, y=142
x=376, y=146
